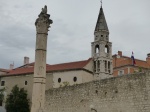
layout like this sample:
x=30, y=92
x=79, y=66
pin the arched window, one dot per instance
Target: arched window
x=75, y=79
x=106, y=49
x=59, y=80
x=97, y=49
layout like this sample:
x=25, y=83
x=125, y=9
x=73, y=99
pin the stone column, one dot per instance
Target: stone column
x=39, y=79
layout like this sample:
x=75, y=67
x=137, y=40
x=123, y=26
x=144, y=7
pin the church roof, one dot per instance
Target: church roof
x=101, y=22
x=68, y=66
x=50, y=68
x=28, y=65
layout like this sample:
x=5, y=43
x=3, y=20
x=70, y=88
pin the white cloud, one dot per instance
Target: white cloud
x=71, y=34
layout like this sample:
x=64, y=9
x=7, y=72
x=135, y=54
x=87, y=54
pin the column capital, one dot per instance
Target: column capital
x=43, y=21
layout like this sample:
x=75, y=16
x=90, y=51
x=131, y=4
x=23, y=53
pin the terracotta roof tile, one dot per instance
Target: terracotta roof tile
x=125, y=60
x=143, y=64
x=29, y=65
x=66, y=66
x=21, y=71
x=49, y=68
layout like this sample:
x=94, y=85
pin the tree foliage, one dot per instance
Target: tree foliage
x=17, y=100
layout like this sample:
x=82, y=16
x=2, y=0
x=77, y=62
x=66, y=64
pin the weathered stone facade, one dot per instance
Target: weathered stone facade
x=129, y=93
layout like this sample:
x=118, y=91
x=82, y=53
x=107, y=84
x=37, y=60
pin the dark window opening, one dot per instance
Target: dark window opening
x=109, y=67
x=101, y=35
x=94, y=66
x=26, y=83
x=59, y=80
x=1, y=102
x=105, y=66
x=3, y=83
x=75, y=79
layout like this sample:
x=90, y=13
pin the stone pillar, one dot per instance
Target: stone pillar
x=38, y=95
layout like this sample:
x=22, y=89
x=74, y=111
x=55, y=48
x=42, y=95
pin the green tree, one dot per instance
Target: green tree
x=66, y=83
x=17, y=100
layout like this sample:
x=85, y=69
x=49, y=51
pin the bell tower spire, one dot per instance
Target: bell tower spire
x=101, y=21
x=101, y=3
x=102, y=49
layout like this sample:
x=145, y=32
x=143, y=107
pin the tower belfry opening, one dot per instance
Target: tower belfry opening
x=106, y=49
x=102, y=49
x=97, y=49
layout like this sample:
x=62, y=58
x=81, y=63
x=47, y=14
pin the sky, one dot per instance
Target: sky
x=72, y=31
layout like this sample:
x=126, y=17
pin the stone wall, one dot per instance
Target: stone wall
x=128, y=93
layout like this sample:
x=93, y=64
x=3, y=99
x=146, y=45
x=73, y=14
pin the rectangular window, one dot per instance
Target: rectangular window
x=120, y=72
x=2, y=83
x=26, y=83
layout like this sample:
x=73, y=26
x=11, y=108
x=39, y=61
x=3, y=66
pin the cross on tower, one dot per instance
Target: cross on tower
x=101, y=2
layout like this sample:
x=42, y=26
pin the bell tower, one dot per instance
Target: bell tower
x=102, y=49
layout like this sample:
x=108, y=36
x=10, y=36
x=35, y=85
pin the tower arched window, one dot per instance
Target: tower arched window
x=106, y=49
x=97, y=49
